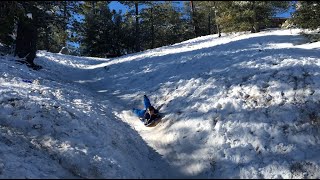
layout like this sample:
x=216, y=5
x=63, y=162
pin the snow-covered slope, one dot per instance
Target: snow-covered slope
x=51, y=128
x=238, y=106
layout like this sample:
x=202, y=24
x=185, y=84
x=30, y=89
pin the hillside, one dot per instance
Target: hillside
x=239, y=106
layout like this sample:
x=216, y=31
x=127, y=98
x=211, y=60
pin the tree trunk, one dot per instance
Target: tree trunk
x=137, y=27
x=118, y=34
x=26, y=40
x=65, y=20
x=27, y=33
x=209, y=23
x=194, y=20
x=47, y=34
x=254, y=24
x=215, y=18
x=152, y=29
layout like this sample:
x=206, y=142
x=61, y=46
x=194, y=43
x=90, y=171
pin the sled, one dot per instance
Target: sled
x=155, y=121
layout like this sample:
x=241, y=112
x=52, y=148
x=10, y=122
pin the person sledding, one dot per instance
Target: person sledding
x=147, y=115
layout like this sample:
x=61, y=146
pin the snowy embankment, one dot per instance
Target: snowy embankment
x=51, y=128
x=239, y=106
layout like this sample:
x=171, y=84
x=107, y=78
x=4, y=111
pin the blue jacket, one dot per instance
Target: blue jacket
x=142, y=113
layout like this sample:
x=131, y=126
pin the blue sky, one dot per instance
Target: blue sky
x=118, y=6
x=288, y=13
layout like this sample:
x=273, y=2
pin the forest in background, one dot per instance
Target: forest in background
x=26, y=27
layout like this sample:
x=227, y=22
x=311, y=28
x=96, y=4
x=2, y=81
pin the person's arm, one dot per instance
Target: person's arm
x=139, y=112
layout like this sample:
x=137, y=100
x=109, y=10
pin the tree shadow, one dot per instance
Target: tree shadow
x=253, y=140
x=150, y=72
x=257, y=62
x=77, y=143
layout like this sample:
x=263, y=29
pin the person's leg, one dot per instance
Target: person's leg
x=146, y=102
x=139, y=112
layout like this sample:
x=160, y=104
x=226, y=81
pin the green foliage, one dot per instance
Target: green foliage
x=51, y=22
x=94, y=29
x=307, y=15
x=103, y=31
x=9, y=11
x=49, y=17
x=146, y=25
x=128, y=31
x=6, y=25
x=249, y=15
x=162, y=24
x=234, y=17
x=205, y=16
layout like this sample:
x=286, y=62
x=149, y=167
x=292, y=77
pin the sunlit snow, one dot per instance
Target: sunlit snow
x=239, y=106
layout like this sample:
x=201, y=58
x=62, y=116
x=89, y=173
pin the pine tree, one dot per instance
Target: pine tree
x=194, y=18
x=135, y=5
x=249, y=15
x=149, y=16
x=38, y=26
x=50, y=30
x=162, y=24
x=307, y=14
x=128, y=30
x=33, y=16
x=207, y=17
x=173, y=27
x=9, y=12
x=95, y=29
x=117, y=31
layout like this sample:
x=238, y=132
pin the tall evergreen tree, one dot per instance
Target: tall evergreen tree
x=50, y=31
x=135, y=5
x=307, y=14
x=9, y=12
x=39, y=25
x=65, y=15
x=162, y=24
x=207, y=17
x=194, y=18
x=33, y=16
x=149, y=16
x=128, y=30
x=173, y=25
x=188, y=27
x=249, y=15
x=117, y=31
x=216, y=11
x=95, y=28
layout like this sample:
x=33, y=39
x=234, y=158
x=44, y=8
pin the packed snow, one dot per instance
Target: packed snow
x=240, y=106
